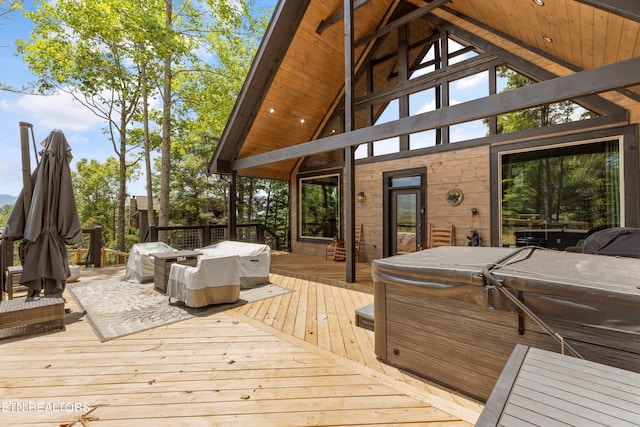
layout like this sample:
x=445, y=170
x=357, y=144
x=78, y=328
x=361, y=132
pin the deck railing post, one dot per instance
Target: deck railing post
x=96, y=246
x=206, y=235
x=259, y=233
x=153, y=233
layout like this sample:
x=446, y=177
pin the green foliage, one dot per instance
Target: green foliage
x=5, y=211
x=110, y=52
x=93, y=184
x=555, y=188
x=266, y=202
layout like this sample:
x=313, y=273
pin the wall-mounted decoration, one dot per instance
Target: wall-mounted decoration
x=454, y=196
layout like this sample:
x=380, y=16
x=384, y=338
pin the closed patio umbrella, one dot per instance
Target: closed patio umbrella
x=52, y=220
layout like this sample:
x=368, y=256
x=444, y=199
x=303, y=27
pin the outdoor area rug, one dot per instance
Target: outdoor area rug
x=116, y=308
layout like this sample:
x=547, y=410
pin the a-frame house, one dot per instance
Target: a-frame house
x=496, y=116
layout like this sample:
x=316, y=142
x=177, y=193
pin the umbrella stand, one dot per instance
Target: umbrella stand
x=26, y=165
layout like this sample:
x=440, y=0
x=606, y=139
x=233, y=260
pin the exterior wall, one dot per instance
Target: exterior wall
x=466, y=169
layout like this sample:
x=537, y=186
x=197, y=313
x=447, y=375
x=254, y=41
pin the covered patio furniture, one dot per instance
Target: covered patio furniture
x=254, y=258
x=616, y=241
x=140, y=266
x=214, y=280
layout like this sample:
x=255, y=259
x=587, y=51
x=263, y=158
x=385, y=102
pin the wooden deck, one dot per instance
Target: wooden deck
x=295, y=359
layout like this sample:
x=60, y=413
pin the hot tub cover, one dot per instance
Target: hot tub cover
x=574, y=287
x=140, y=268
x=255, y=260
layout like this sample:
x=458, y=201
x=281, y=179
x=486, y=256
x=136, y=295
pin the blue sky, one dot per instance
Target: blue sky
x=81, y=127
x=45, y=113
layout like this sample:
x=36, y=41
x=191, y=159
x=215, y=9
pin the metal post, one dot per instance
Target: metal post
x=26, y=166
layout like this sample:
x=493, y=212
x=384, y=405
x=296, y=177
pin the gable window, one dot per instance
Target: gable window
x=319, y=206
x=552, y=196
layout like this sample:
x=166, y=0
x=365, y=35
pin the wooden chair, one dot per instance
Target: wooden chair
x=440, y=236
x=330, y=250
x=340, y=251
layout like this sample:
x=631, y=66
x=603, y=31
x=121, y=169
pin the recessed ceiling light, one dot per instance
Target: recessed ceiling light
x=539, y=2
x=272, y=110
x=302, y=120
x=547, y=39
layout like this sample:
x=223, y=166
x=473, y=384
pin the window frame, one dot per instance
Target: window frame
x=299, y=180
x=629, y=178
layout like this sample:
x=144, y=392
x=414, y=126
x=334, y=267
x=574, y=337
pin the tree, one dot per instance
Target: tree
x=113, y=55
x=97, y=203
x=85, y=49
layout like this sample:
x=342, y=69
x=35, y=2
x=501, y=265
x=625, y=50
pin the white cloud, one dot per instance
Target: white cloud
x=472, y=81
x=58, y=111
x=428, y=106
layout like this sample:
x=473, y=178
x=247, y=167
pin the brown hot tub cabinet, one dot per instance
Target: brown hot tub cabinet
x=436, y=315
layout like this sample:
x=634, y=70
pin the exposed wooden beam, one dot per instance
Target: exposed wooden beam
x=401, y=21
x=625, y=8
x=349, y=161
x=584, y=83
x=336, y=17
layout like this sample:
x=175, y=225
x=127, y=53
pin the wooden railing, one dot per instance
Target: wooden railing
x=198, y=236
x=88, y=255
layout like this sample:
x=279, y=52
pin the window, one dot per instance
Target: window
x=552, y=196
x=319, y=206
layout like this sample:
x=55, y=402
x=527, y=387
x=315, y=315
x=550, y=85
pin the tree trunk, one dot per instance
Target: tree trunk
x=147, y=152
x=122, y=190
x=166, y=128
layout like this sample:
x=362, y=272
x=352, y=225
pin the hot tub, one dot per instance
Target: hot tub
x=435, y=314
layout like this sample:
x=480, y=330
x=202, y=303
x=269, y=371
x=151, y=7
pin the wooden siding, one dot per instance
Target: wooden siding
x=466, y=169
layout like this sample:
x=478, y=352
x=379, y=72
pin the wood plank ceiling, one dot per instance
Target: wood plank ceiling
x=561, y=36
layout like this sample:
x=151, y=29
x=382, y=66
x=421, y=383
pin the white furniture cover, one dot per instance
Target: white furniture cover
x=214, y=280
x=140, y=266
x=255, y=260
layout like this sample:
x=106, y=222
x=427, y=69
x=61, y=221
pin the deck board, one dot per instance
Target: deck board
x=294, y=359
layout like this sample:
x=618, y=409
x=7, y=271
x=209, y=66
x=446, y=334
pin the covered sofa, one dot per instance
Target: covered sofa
x=140, y=266
x=214, y=280
x=255, y=260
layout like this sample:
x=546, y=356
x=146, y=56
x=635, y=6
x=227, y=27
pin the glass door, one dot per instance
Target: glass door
x=405, y=236
x=404, y=215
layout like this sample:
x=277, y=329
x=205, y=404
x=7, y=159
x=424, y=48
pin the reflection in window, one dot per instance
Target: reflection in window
x=405, y=181
x=320, y=206
x=567, y=190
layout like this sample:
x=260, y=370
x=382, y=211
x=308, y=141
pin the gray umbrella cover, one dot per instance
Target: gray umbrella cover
x=52, y=221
